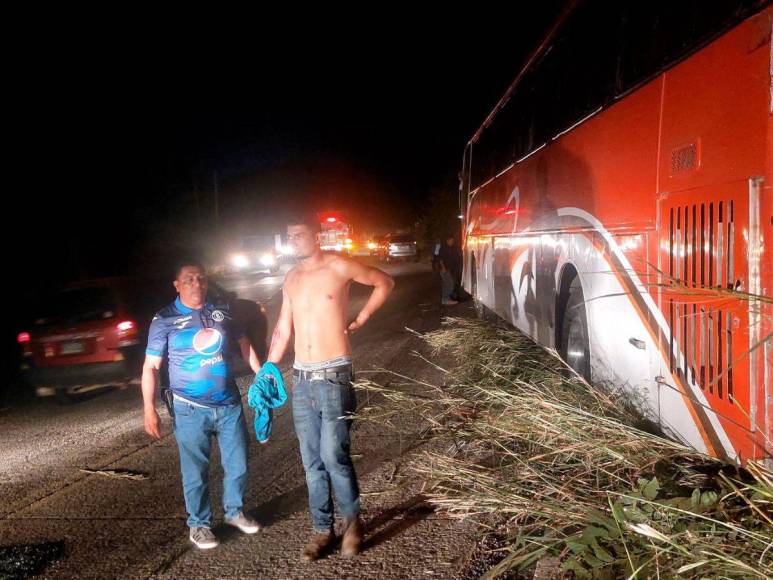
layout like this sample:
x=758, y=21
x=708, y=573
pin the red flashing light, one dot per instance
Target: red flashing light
x=23, y=338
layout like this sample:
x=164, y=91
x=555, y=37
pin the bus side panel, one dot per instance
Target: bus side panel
x=618, y=205
x=625, y=358
x=716, y=109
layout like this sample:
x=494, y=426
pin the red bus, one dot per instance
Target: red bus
x=617, y=208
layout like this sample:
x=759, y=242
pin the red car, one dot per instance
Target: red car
x=92, y=334
x=89, y=335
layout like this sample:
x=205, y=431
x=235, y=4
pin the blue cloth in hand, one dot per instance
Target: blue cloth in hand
x=267, y=392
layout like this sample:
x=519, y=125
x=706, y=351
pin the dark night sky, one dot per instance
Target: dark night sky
x=118, y=128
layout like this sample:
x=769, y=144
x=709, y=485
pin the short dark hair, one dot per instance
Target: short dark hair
x=305, y=218
x=185, y=263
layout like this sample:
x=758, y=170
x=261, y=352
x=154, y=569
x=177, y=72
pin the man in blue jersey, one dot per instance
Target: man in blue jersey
x=197, y=337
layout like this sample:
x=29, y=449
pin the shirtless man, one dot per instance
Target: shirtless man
x=315, y=301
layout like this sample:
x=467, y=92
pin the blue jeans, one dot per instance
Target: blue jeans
x=194, y=427
x=319, y=410
x=448, y=284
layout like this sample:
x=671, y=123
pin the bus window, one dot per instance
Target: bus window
x=583, y=70
x=657, y=34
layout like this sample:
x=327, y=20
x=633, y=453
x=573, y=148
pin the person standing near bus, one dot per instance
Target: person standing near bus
x=450, y=262
x=197, y=337
x=315, y=301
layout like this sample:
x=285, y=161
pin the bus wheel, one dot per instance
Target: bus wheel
x=575, y=348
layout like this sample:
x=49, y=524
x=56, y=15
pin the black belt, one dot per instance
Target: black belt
x=323, y=374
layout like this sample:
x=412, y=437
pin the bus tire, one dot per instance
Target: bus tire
x=575, y=344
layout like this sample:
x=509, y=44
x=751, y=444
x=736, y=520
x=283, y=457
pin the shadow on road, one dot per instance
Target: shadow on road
x=395, y=520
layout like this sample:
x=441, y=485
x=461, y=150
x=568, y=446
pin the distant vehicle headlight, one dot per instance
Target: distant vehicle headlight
x=240, y=261
x=372, y=245
x=285, y=250
x=267, y=260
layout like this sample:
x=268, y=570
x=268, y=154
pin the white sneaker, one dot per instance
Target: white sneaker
x=244, y=523
x=203, y=538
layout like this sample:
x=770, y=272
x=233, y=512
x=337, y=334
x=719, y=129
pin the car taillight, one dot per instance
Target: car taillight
x=23, y=338
x=126, y=326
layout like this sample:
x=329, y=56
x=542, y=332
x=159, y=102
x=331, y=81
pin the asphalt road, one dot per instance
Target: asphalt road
x=117, y=527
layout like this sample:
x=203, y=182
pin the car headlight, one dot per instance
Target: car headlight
x=372, y=245
x=240, y=261
x=267, y=260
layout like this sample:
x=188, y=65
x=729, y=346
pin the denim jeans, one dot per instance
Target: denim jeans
x=194, y=427
x=319, y=411
x=447, y=280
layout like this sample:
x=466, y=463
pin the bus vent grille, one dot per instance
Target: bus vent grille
x=701, y=256
x=684, y=158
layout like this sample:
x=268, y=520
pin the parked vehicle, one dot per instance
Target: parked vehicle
x=92, y=335
x=398, y=246
x=614, y=211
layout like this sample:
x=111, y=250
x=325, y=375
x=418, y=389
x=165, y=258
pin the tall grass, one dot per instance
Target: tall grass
x=561, y=468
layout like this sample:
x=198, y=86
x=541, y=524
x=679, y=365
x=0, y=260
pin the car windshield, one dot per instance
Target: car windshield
x=401, y=239
x=78, y=305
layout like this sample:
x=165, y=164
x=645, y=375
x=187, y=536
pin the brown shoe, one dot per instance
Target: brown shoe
x=318, y=546
x=353, y=533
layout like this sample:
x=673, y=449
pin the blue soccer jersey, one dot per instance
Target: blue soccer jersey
x=198, y=343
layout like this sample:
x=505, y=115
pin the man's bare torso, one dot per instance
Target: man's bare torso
x=319, y=299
